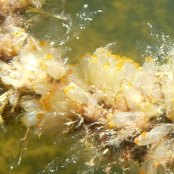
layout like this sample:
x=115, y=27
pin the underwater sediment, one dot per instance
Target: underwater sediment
x=126, y=106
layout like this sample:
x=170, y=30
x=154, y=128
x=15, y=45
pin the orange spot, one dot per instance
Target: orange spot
x=106, y=65
x=136, y=141
x=111, y=124
x=94, y=59
x=94, y=56
x=45, y=102
x=109, y=117
x=64, y=79
x=49, y=56
x=69, y=72
x=142, y=172
x=86, y=56
x=69, y=88
x=18, y=33
x=43, y=65
x=40, y=116
x=120, y=64
x=155, y=164
x=136, y=65
x=144, y=134
x=39, y=121
x=34, y=48
x=43, y=43
x=129, y=84
x=117, y=57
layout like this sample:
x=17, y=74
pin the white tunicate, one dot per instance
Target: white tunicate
x=76, y=93
x=159, y=154
x=122, y=119
x=155, y=135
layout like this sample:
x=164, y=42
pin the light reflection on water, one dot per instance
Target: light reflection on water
x=124, y=22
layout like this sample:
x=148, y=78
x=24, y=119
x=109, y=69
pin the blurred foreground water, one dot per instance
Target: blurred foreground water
x=90, y=24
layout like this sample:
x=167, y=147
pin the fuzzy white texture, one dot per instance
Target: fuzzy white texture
x=101, y=88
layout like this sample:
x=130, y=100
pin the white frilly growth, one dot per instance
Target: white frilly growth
x=33, y=110
x=76, y=94
x=13, y=38
x=17, y=4
x=159, y=156
x=155, y=135
x=39, y=118
x=124, y=101
x=102, y=88
x=33, y=67
x=122, y=119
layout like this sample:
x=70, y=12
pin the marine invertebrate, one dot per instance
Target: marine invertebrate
x=126, y=104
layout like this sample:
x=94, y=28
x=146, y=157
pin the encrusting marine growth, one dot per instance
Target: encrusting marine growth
x=127, y=102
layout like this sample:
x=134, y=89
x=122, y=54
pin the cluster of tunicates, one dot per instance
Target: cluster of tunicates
x=125, y=103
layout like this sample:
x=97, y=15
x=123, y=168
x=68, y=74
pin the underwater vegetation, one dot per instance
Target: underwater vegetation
x=120, y=112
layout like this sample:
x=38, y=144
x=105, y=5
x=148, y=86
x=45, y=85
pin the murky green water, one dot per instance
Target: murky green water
x=124, y=22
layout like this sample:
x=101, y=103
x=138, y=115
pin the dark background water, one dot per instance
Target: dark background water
x=124, y=22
